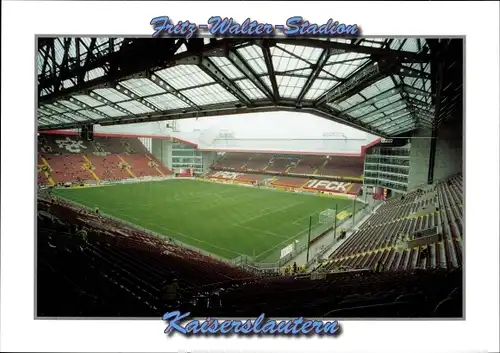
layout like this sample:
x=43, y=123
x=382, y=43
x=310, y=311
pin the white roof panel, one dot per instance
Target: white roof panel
x=135, y=107
x=74, y=116
x=250, y=90
x=167, y=102
x=178, y=86
x=69, y=105
x=289, y=86
x=92, y=115
x=110, y=94
x=319, y=87
x=112, y=112
x=142, y=87
x=184, y=76
x=254, y=57
x=88, y=100
x=209, y=95
x=227, y=67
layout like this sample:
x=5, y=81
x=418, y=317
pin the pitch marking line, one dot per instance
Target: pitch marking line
x=262, y=231
x=291, y=238
x=184, y=235
x=271, y=212
x=299, y=219
x=170, y=231
x=277, y=245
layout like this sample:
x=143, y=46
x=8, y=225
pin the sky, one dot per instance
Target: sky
x=279, y=125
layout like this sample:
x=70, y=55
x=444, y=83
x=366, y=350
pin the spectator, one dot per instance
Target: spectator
x=82, y=233
x=170, y=292
x=294, y=267
x=425, y=253
x=379, y=267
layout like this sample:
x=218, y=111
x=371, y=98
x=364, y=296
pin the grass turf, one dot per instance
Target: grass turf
x=226, y=220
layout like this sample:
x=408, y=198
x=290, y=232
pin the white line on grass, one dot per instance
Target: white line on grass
x=182, y=234
x=270, y=212
x=291, y=238
x=274, y=247
x=261, y=231
x=297, y=221
x=171, y=231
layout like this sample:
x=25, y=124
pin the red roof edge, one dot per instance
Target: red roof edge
x=371, y=144
x=282, y=152
x=194, y=145
x=102, y=134
x=361, y=154
x=173, y=138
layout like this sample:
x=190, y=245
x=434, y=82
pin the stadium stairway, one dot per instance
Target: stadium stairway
x=293, y=166
x=118, y=271
x=156, y=168
x=90, y=167
x=143, y=166
x=46, y=173
x=377, y=238
x=127, y=169
x=68, y=168
x=450, y=198
x=322, y=166
x=244, y=166
x=268, y=164
x=75, y=160
x=112, y=170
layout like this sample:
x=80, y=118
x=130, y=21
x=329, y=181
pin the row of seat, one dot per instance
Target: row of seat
x=285, y=181
x=308, y=164
x=71, y=159
x=343, y=295
x=120, y=275
x=444, y=254
x=77, y=167
x=129, y=261
x=118, y=272
x=378, y=238
x=342, y=166
x=291, y=182
x=388, y=214
x=67, y=168
x=451, y=199
x=278, y=165
x=63, y=144
x=382, y=236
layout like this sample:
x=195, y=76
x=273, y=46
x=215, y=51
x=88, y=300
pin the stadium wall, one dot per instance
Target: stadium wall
x=420, y=147
x=449, y=151
x=209, y=158
x=162, y=149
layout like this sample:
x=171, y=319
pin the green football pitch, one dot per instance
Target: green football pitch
x=225, y=220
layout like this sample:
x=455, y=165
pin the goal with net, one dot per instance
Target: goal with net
x=327, y=216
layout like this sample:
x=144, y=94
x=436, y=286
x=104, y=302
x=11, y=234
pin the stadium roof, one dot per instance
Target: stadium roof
x=385, y=86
